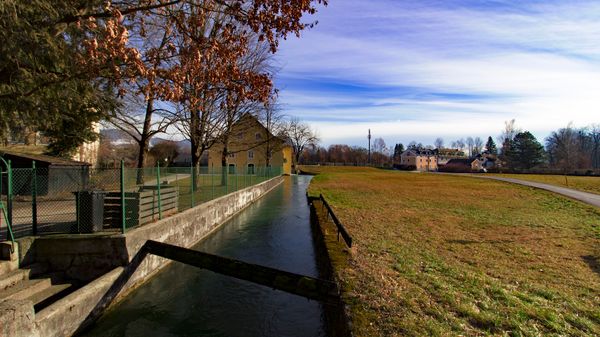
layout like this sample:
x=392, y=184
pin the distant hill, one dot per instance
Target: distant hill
x=117, y=136
x=181, y=144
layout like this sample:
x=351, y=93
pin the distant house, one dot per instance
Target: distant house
x=461, y=165
x=445, y=155
x=250, y=145
x=420, y=160
x=88, y=151
x=485, y=162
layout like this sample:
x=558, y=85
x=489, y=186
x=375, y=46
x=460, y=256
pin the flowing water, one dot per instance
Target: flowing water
x=187, y=301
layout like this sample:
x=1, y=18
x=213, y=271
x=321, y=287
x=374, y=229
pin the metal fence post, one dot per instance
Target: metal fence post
x=193, y=182
x=123, y=223
x=9, y=192
x=158, y=189
x=34, y=198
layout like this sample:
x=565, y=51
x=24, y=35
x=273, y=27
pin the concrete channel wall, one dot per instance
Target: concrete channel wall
x=122, y=263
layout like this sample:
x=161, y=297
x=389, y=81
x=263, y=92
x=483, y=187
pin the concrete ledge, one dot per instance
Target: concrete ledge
x=17, y=318
x=87, y=255
x=77, y=309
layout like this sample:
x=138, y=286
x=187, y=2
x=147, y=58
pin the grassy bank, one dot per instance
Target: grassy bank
x=446, y=255
x=586, y=184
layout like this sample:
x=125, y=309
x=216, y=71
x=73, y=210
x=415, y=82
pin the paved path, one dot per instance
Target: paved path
x=588, y=198
x=168, y=179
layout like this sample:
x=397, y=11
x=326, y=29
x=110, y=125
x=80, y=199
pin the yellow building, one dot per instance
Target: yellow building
x=249, y=146
x=420, y=160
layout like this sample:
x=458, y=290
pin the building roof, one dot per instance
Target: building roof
x=420, y=152
x=460, y=161
x=41, y=158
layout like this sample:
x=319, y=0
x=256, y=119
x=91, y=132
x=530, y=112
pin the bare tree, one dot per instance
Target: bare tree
x=477, y=145
x=141, y=125
x=300, y=135
x=459, y=144
x=272, y=119
x=562, y=146
x=470, y=145
x=255, y=60
x=509, y=132
x=439, y=143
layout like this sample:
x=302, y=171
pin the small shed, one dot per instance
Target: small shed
x=54, y=175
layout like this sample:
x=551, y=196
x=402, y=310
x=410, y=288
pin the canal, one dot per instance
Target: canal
x=186, y=301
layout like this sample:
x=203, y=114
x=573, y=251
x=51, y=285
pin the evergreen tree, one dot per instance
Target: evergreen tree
x=524, y=151
x=398, y=149
x=490, y=146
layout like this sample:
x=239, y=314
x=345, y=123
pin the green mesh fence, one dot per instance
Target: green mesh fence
x=84, y=200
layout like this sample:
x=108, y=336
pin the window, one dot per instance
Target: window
x=240, y=136
x=231, y=155
x=258, y=136
x=250, y=154
x=231, y=169
x=250, y=168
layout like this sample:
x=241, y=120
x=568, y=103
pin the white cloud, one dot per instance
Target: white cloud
x=539, y=63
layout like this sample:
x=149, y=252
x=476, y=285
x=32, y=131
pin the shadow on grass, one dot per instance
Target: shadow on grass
x=593, y=262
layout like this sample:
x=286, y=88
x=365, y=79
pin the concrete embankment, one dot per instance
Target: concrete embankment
x=332, y=253
x=113, y=265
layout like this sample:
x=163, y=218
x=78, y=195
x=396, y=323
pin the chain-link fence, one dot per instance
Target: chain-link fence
x=85, y=200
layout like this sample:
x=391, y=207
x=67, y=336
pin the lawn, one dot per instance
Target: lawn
x=448, y=255
x=209, y=187
x=586, y=184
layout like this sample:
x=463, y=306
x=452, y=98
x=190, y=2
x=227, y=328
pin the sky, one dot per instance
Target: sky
x=418, y=70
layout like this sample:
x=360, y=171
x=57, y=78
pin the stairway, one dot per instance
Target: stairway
x=31, y=283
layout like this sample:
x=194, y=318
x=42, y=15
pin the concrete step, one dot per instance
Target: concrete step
x=8, y=266
x=25, y=289
x=12, y=278
x=48, y=296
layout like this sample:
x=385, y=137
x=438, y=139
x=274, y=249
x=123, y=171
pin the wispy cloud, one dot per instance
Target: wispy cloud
x=422, y=69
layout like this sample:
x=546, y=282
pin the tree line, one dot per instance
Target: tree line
x=567, y=150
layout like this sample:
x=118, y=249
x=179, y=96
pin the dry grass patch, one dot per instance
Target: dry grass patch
x=586, y=184
x=447, y=255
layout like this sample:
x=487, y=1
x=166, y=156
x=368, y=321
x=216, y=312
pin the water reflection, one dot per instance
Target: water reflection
x=186, y=301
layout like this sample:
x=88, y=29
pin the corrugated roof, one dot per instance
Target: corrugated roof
x=44, y=158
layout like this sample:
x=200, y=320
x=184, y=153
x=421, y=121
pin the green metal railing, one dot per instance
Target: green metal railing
x=7, y=216
x=42, y=200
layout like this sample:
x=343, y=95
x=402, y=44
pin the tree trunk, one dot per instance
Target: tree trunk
x=224, y=161
x=144, y=140
x=196, y=154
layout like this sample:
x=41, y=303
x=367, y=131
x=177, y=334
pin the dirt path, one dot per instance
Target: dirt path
x=588, y=198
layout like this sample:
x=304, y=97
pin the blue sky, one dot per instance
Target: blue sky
x=417, y=70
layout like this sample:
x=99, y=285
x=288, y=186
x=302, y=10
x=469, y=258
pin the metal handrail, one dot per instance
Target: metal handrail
x=8, y=199
x=341, y=229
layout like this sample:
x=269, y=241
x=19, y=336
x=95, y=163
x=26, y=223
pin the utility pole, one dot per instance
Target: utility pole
x=369, y=137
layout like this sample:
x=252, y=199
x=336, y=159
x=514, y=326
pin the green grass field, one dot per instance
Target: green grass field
x=586, y=184
x=446, y=255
